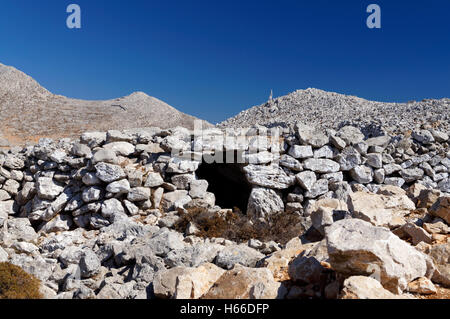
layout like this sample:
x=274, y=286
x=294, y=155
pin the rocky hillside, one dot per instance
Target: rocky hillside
x=333, y=110
x=321, y=214
x=29, y=112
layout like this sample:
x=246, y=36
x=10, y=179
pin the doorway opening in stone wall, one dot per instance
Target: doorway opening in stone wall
x=228, y=183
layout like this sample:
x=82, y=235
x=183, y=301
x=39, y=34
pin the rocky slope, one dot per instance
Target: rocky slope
x=333, y=110
x=138, y=214
x=29, y=112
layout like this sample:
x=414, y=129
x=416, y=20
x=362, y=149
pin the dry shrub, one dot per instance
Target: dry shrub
x=15, y=283
x=236, y=226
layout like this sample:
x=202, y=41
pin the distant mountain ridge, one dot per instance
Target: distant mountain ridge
x=29, y=112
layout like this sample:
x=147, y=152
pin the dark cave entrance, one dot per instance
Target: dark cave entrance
x=228, y=183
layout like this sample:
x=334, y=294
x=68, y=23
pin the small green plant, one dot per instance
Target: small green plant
x=15, y=283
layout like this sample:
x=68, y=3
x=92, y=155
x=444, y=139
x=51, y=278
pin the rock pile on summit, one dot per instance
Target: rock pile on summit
x=332, y=110
x=105, y=216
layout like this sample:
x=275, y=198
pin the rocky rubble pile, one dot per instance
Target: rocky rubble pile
x=332, y=110
x=97, y=217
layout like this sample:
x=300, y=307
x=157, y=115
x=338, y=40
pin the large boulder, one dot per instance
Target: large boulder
x=378, y=209
x=356, y=247
x=186, y=282
x=441, y=257
x=47, y=188
x=361, y=287
x=264, y=202
x=238, y=254
x=246, y=283
x=310, y=135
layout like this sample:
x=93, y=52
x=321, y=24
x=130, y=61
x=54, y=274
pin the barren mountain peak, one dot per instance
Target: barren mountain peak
x=29, y=112
x=333, y=110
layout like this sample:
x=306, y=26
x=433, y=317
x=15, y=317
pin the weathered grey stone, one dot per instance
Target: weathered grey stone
x=338, y=142
x=348, y=158
x=325, y=152
x=271, y=176
x=439, y=136
x=153, y=180
x=93, y=139
x=165, y=241
x=411, y=174
x=291, y=163
x=321, y=165
x=441, y=258
x=81, y=150
x=89, y=264
x=175, y=199
x=357, y=247
x=13, y=161
x=198, y=188
x=105, y=156
x=58, y=224
x=361, y=287
x=182, y=181
x=351, y=135
x=92, y=194
x=180, y=166
x=375, y=160
x=193, y=256
x=297, y=151
x=131, y=208
x=135, y=177
x=378, y=209
x=311, y=136
x=320, y=187
x=112, y=209
x=4, y=195
x=305, y=270
x=423, y=136
x=121, y=148
x=17, y=229
x=119, y=187
x=362, y=174
x=394, y=181
x=326, y=212
x=246, y=283
x=139, y=194
x=306, y=179
x=238, y=254
x=263, y=203
x=12, y=187
x=109, y=173
x=379, y=175
x=47, y=188
x=91, y=179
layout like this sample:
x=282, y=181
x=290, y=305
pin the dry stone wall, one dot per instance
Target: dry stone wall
x=110, y=199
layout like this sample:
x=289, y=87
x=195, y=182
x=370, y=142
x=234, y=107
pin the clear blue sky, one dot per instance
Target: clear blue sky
x=214, y=58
